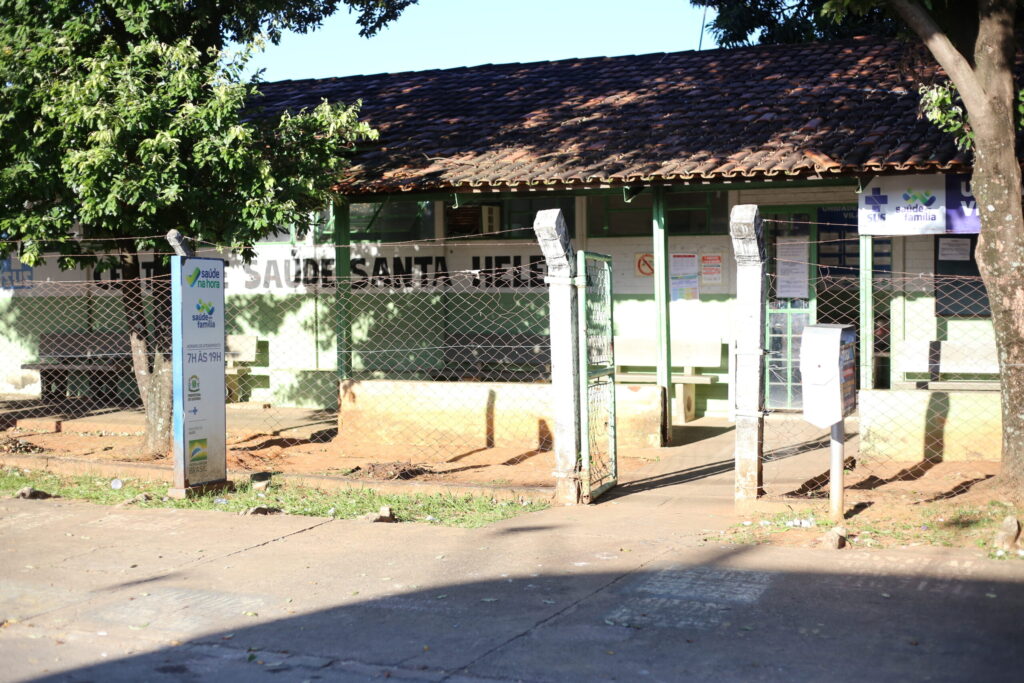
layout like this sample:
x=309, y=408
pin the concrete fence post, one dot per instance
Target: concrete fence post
x=748, y=244
x=556, y=245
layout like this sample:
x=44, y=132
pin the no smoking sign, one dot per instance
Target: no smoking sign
x=643, y=265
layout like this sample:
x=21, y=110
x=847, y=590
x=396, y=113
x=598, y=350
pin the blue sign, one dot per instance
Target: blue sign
x=961, y=209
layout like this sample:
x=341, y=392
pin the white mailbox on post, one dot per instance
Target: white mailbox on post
x=829, y=371
x=828, y=367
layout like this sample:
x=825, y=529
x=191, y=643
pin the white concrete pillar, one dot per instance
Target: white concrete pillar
x=556, y=245
x=748, y=244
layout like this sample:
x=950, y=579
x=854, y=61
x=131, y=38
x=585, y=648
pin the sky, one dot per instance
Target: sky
x=441, y=34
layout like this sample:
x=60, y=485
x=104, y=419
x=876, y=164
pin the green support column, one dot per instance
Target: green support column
x=662, y=299
x=867, y=313
x=342, y=291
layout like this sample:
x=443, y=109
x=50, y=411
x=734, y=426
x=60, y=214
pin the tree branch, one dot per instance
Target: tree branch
x=949, y=58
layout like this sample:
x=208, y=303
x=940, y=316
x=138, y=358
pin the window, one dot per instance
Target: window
x=391, y=221
x=959, y=292
x=511, y=217
x=686, y=213
x=612, y=216
x=697, y=213
x=520, y=213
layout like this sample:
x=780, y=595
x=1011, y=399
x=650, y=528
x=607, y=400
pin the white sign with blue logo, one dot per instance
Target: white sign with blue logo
x=197, y=297
x=903, y=205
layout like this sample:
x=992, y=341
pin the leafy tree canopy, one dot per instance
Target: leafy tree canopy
x=123, y=118
x=773, y=22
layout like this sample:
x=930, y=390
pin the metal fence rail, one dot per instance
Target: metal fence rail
x=929, y=389
x=404, y=367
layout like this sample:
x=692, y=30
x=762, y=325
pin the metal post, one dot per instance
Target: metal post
x=662, y=301
x=553, y=238
x=836, y=504
x=342, y=288
x=748, y=245
x=867, y=313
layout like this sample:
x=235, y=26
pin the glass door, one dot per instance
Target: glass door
x=791, y=234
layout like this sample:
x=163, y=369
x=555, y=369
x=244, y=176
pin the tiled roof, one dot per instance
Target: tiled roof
x=797, y=110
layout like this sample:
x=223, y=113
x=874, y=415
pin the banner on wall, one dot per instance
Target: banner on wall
x=918, y=205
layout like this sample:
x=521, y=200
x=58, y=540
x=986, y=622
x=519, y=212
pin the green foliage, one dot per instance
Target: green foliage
x=128, y=117
x=439, y=509
x=772, y=22
x=781, y=21
x=941, y=104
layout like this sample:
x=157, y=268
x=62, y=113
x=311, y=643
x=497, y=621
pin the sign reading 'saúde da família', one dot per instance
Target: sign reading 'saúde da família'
x=197, y=319
x=918, y=205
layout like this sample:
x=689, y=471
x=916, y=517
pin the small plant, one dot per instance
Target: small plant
x=442, y=509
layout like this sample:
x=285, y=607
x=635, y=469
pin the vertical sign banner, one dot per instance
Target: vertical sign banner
x=197, y=319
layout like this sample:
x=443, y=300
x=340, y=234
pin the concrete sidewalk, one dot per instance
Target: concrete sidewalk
x=635, y=588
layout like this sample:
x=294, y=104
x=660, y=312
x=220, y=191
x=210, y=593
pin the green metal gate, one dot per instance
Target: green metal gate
x=598, y=464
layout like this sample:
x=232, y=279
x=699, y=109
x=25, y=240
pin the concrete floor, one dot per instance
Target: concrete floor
x=637, y=587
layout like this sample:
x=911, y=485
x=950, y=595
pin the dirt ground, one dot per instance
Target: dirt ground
x=892, y=504
x=262, y=453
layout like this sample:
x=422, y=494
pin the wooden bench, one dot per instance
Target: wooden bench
x=238, y=348
x=940, y=359
x=635, y=361
x=102, y=357
x=495, y=358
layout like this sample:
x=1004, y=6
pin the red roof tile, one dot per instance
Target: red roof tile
x=797, y=110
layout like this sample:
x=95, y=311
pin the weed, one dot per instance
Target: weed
x=441, y=509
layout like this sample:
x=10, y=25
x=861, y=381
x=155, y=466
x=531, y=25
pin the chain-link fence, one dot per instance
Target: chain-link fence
x=450, y=371
x=80, y=349
x=597, y=374
x=928, y=377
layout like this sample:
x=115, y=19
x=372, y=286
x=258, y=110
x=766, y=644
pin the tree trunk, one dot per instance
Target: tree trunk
x=150, y=345
x=986, y=84
x=997, y=188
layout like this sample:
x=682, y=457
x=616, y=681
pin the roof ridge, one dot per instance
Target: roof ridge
x=597, y=58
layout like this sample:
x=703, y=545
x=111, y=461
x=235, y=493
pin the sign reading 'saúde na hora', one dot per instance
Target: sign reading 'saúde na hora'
x=918, y=205
x=197, y=298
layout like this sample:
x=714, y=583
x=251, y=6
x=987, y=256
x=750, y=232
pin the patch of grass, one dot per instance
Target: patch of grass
x=441, y=509
x=945, y=524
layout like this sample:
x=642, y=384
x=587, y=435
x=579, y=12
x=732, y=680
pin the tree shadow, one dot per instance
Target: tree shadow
x=553, y=625
x=936, y=415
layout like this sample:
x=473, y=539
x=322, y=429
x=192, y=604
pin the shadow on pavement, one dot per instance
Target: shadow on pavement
x=671, y=478
x=716, y=619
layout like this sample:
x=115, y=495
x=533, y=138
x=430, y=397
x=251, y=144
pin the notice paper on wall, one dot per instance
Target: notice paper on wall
x=954, y=248
x=711, y=269
x=792, y=269
x=684, y=277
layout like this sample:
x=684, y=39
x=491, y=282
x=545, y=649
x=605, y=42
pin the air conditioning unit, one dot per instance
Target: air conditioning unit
x=490, y=219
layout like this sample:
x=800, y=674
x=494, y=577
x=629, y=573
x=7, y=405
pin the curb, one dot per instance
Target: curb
x=134, y=470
